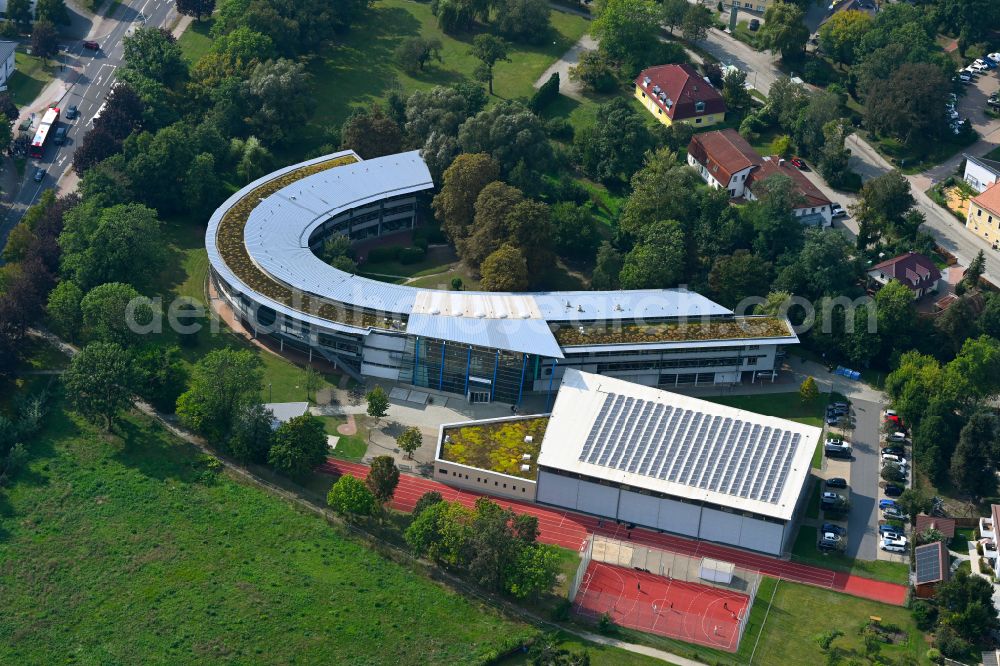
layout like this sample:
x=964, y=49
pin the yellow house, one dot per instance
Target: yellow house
x=984, y=214
x=759, y=6
x=678, y=94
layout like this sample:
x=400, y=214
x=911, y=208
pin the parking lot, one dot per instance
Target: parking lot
x=972, y=104
x=865, y=488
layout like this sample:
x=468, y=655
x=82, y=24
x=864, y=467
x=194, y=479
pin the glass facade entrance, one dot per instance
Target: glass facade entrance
x=453, y=367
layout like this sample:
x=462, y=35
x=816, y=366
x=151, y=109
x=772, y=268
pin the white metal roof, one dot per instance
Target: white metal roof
x=277, y=232
x=647, y=438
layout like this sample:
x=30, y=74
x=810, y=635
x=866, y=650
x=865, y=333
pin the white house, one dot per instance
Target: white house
x=7, y=59
x=980, y=172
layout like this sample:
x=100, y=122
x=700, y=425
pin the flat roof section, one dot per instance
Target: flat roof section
x=496, y=445
x=740, y=328
x=610, y=429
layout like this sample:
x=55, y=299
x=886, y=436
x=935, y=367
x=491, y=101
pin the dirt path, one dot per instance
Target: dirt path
x=569, y=59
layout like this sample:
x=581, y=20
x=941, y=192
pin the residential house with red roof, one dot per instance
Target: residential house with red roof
x=725, y=160
x=912, y=269
x=677, y=93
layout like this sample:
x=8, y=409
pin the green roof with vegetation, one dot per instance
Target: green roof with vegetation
x=498, y=446
x=229, y=240
x=731, y=329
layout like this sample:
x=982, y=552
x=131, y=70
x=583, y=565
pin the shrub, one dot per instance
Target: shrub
x=411, y=255
x=546, y=94
x=561, y=611
x=950, y=643
x=934, y=655
x=560, y=129
x=925, y=615
x=456, y=284
x=605, y=625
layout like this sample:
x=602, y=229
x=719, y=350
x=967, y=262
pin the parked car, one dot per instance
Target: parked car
x=798, y=163
x=893, y=490
x=60, y=136
x=887, y=504
x=836, y=482
x=893, y=450
x=964, y=77
x=72, y=112
x=886, y=530
x=835, y=441
x=897, y=436
x=836, y=210
x=829, y=541
x=893, y=547
x=954, y=98
x=754, y=25
x=995, y=57
x=890, y=459
x=832, y=497
x=953, y=114
x=39, y=174
x=894, y=513
x=837, y=450
x=91, y=45
x=833, y=527
x=979, y=66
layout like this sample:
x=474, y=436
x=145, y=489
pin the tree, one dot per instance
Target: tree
x=455, y=15
x=382, y=479
x=53, y=11
x=154, y=53
x=697, y=20
x=413, y=53
x=509, y=132
x=410, y=440
x=958, y=323
x=523, y=20
x=734, y=89
x=739, y=275
x=608, y=266
x=534, y=572
x=44, y=39
x=442, y=110
x=657, y=260
x=378, y=402
x=627, y=29
x=252, y=433
x=112, y=310
x=841, y=34
x=65, y=315
x=280, y=94
x=972, y=470
x=371, y=133
x=252, y=158
x=299, y=446
x=595, y=72
x=428, y=499
x=350, y=497
x=454, y=205
x=914, y=501
x=612, y=149
x=784, y=30
x=196, y=8
x=222, y=382
x=673, y=13
x=808, y=391
x=160, y=375
x=975, y=270
x=909, y=105
x=489, y=50
x=882, y=203
x=966, y=604
x=574, y=231
x=124, y=245
x=19, y=11
x=504, y=270
x=100, y=382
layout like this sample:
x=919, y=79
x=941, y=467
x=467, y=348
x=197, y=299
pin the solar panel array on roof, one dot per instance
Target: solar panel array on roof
x=706, y=451
x=928, y=563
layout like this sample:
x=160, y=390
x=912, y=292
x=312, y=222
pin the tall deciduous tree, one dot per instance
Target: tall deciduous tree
x=252, y=433
x=697, y=20
x=196, y=8
x=378, y=402
x=505, y=269
x=410, y=440
x=44, y=39
x=299, y=446
x=627, y=29
x=63, y=310
x=909, y=105
x=114, y=312
x=509, y=132
x=413, y=53
x=738, y=276
x=612, y=149
x=280, y=95
x=154, y=53
x=382, y=479
x=350, y=497
x=658, y=260
x=808, y=390
x=784, y=30
x=523, y=20
x=222, y=382
x=100, y=382
x=52, y=10
x=489, y=50
x=454, y=205
x=883, y=202
x=371, y=133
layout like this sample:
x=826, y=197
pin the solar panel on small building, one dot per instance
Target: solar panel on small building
x=929, y=560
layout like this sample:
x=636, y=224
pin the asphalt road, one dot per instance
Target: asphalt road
x=95, y=75
x=862, y=521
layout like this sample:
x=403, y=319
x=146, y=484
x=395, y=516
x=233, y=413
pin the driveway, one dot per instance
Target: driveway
x=569, y=59
x=862, y=523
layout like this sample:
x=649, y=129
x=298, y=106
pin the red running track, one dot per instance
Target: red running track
x=570, y=530
x=659, y=605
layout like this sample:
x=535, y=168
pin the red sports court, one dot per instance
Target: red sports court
x=665, y=606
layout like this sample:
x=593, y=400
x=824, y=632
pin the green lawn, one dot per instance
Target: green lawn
x=600, y=655
x=805, y=551
x=130, y=549
x=361, y=68
x=349, y=447
x=196, y=40
x=31, y=75
x=439, y=259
